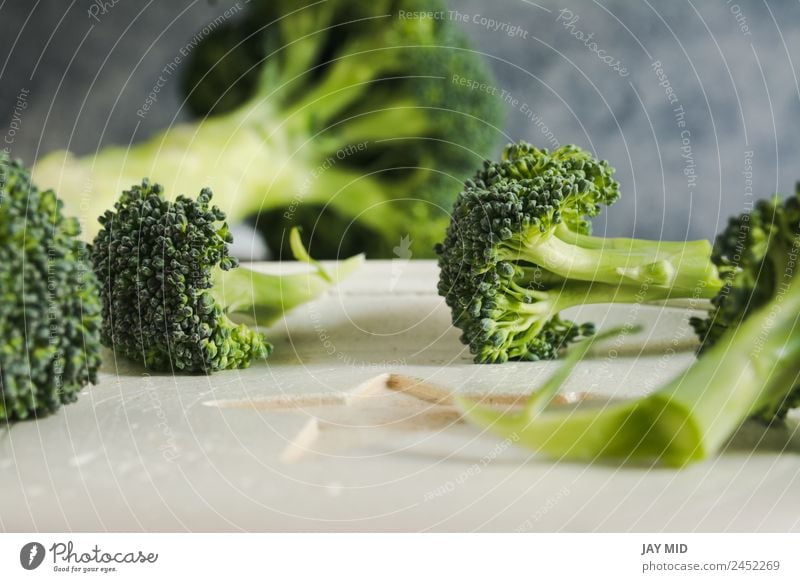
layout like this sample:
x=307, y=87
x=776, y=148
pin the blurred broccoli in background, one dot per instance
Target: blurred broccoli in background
x=49, y=308
x=336, y=115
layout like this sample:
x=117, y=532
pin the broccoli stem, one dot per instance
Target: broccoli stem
x=291, y=169
x=266, y=297
x=206, y=154
x=527, y=311
x=575, y=294
x=752, y=368
x=348, y=77
x=303, y=30
x=684, y=267
x=403, y=120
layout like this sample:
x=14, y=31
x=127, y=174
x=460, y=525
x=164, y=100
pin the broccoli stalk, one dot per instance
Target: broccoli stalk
x=518, y=252
x=618, y=261
x=170, y=287
x=750, y=368
x=49, y=309
x=337, y=114
x=223, y=151
x=522, y=319
x=266, y=297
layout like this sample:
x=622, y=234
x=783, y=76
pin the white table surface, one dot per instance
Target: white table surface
x=316, y=439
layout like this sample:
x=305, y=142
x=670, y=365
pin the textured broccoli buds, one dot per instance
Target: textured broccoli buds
x=156, y=261
x=518, y=252
x=757, y=256
x=169, y=284
x=49, y=309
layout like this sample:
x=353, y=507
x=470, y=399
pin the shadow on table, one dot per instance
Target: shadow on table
x=428, y=339
x=751, y=439
x=757, y=438
x=373, y=337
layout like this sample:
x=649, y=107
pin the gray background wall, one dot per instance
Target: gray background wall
x=731, y=65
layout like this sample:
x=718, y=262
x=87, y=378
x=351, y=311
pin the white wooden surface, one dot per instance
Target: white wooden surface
x=317, y=439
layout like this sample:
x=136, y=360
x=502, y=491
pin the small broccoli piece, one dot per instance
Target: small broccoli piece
x=49, y=309
x=757, y=256
x=340, y=109
x=750, y=368
x=518, y=252
x=169, y=285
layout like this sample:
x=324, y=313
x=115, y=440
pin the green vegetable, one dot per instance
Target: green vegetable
x=340, y=116
x=750, y=368
x=49, y=310
x=757, y=256
x=518, y=252
x=169, y=284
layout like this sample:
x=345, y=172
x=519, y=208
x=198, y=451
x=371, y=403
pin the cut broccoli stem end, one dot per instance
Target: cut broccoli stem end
x=648, y=430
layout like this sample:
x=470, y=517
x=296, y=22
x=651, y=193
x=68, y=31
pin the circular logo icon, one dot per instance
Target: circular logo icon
x=31, y=555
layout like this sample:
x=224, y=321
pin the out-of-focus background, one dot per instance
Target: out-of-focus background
x=687, y=137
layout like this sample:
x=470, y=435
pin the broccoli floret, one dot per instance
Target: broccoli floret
x=169, y=285
x=518, y=252
x=757, y=256
x=341, y=110
x=49, y=309
x=749, y=369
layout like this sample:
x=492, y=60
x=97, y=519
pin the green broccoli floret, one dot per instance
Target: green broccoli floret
x=169, y=285
x=757, y=256
x=749, y=369
x=518, y=252
x=340, y=114
x=49, y=309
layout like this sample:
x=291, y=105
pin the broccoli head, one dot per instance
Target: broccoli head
x=757, y=255
x=169, y=286
x=49, y=309
x=518, y=251
x=342, y=115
